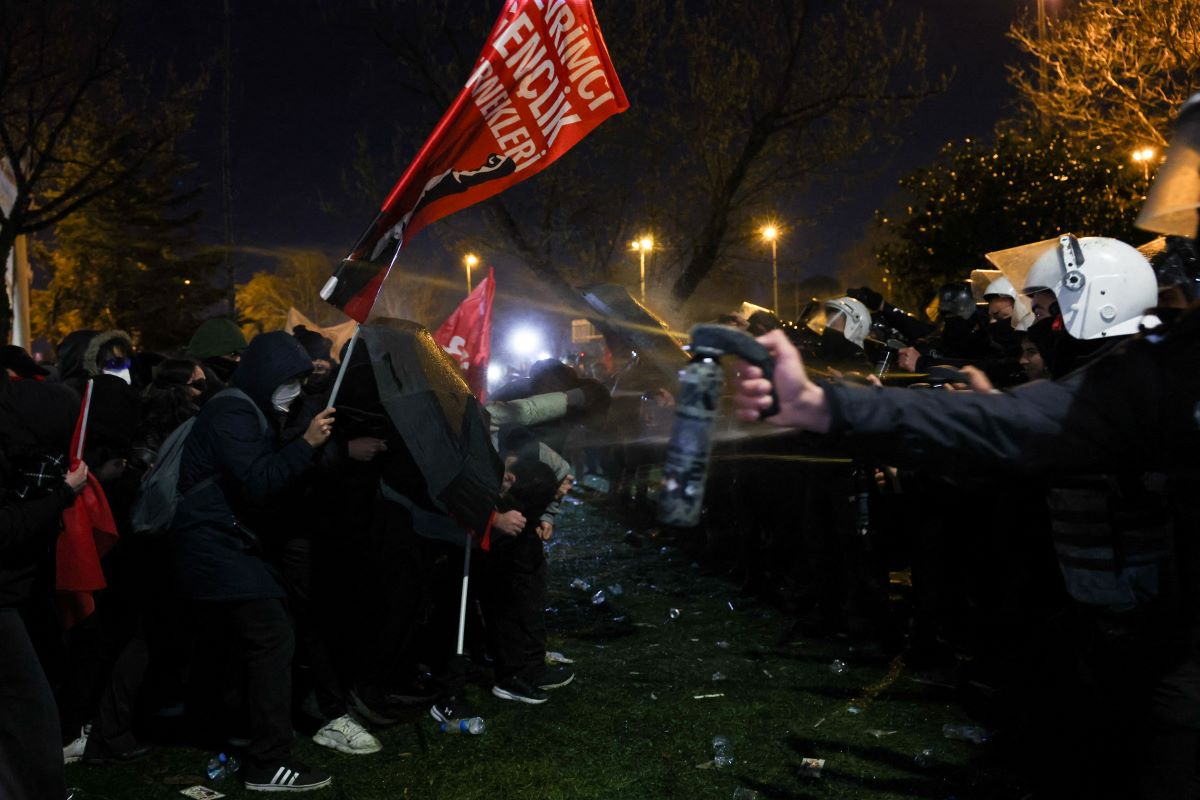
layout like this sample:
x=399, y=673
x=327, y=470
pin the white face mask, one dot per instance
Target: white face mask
x=283, y=397
x=123, y=374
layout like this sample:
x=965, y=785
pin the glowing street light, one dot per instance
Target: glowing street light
x=641, y=247
x=771, y=234
x=1143, y=156
x=471, y=260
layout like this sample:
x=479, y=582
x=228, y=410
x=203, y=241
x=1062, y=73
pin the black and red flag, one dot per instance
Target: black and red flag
x=543, y=81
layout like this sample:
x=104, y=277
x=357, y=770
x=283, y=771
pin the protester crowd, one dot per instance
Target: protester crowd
x=253, y=563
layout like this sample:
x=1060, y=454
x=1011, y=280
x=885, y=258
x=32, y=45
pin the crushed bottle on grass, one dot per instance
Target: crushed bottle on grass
x=722, y=753
x=966, y=733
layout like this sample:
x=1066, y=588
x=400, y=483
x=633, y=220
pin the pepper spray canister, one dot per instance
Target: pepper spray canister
x=681, y=495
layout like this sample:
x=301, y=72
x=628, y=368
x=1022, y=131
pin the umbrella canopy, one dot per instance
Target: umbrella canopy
x=440, y=421
x=626, y=322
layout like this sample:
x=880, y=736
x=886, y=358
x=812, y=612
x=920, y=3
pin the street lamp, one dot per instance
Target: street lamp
x=470, y=261
x=771, y=234
x=641, y=247
x=1143, y=156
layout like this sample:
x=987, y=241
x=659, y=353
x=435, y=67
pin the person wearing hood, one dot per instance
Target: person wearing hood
x=218, y=345
x=36, y=421
x=85, y=354
x=231, y=465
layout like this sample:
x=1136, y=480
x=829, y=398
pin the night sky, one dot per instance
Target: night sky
x=305, y=84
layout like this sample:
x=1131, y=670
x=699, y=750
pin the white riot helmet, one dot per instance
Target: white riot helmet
x=1001, y=287
x=858, y=318
x=1103, y=286
x=1022, y=316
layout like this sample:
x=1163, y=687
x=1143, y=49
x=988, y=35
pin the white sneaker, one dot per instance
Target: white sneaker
x=74, y=751
x=345, y=735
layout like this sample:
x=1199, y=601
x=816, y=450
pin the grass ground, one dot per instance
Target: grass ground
x=652, y=690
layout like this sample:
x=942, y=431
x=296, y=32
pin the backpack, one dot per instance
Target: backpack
x=158, y=496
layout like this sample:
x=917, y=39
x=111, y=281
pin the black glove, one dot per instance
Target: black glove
x=870, y=298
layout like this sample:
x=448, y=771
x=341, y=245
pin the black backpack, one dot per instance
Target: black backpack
x=159, y=495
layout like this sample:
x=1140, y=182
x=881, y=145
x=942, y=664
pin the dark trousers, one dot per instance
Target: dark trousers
x=315, y=626
x=31, y=759
x=392, y=588
x=259, y=635
x=515, y=605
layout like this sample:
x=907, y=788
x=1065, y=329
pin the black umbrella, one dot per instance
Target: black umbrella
x=628, y=324
x=440, y=421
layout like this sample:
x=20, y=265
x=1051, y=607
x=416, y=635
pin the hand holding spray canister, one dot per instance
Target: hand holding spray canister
x=681, y=496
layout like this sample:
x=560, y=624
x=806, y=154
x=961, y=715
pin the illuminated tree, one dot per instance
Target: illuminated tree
x=978, y=197
x=1111, y=73
x=73, y=125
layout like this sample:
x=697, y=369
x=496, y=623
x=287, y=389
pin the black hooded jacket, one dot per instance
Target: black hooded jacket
x=36, y=419
x=216, y=556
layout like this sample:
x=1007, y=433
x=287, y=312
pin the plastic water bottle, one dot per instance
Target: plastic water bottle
x=474, y=725
x=222, y=766
x=722, y=757
x=966, y=733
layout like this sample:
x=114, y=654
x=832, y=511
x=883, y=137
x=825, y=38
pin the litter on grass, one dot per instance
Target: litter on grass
x=706, y=696
x=811, y=767
x=879, y=734
x=554, y=657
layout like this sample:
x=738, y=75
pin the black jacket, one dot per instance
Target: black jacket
x=36, y=419
x=216, y=556
x=1134, y=408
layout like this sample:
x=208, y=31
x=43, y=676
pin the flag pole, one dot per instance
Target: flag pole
x=83, y=420
x=337, y=384
x=462, y=607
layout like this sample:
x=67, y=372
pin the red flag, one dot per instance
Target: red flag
x=467, y=335
x=89, y=531
x=543, y=81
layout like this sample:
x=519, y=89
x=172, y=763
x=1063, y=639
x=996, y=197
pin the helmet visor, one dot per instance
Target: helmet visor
x=1171, y=206
x=1016, y=262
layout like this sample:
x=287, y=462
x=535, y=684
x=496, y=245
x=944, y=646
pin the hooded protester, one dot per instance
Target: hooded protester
x=86, y=354
x=36, y=421
x=231, y=465
x=217, y=344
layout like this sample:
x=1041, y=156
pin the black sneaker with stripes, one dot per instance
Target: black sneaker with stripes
x=284, y=778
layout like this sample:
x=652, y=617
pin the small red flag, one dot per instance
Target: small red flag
x=89, y=531
x=543, y=81
x=467, y=335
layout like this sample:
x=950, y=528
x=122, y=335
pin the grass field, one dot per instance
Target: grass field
x=639, y=720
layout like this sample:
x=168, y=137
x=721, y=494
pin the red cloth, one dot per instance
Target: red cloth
x=543, y=82
x=467, y=335
x=89, y=532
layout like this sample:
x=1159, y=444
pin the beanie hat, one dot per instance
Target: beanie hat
x=219, y=336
